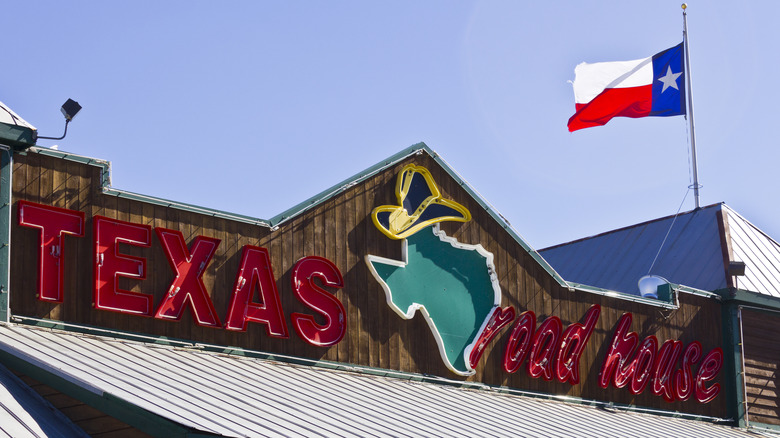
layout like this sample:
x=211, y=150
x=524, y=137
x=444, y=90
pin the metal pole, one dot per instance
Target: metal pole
x=689, y=113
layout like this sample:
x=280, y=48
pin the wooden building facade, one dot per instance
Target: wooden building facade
x=337, y=226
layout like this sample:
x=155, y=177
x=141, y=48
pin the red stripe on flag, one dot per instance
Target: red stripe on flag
x=613, y=102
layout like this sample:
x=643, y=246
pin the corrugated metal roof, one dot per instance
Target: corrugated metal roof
x=760, y=253
x=25, y=414
x=239, y=396
x=691, y=254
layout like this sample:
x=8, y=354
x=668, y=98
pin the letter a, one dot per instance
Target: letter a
x=255, y=272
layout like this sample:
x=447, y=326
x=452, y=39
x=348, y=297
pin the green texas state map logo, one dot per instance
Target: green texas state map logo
x=453, y=284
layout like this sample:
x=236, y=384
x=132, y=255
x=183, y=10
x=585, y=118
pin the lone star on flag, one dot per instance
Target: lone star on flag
x=669, y=80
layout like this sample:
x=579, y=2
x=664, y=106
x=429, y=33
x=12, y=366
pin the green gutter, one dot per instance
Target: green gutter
x=6, y=171
x=17, y=136
x=750, y=298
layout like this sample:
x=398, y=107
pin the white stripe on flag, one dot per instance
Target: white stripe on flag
x=591, y=79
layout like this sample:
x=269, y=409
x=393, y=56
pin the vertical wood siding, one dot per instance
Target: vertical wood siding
x=762, y=360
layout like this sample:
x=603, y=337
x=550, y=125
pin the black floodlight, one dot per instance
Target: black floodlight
x=69, y=109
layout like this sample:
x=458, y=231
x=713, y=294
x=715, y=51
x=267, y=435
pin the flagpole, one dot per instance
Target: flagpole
x=689, y=113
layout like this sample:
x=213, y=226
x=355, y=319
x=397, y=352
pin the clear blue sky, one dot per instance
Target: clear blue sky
x=252, y=107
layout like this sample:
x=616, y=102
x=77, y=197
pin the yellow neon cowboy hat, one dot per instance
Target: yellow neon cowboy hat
x=420, y=205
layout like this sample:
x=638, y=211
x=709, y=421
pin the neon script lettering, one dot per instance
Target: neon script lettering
x=551, y=351
x=626, y=363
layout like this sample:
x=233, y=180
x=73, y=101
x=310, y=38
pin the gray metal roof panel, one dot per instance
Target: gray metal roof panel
x=760, y=253
x=238, y=396
x=24, y=413
x=616, y=260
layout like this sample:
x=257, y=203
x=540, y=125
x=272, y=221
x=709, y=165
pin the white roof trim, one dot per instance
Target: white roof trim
x=9, y=117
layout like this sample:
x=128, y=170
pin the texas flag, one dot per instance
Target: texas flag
x=653, y=86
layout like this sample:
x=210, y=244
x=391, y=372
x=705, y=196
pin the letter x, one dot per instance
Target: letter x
x=188, y=285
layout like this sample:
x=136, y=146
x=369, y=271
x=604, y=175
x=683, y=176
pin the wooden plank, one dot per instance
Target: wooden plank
x=371, y=244
x=318, y=248
x=761, y=340
x=766, y=417
x=60, y=400
x=68, y=184
x=336, y=233
x=302, y=239
x=363, y=301
x=46, y=187
x=103, y=425
x=327, y=248
x=381, y=245
x=763, y=389
x=129, y=432
x=761, y=360
x=79, y=183
x=757, y=319
x=763, y=405
x=33, y=183
x=24, y=247
x=607, y=325
x=394, y=329
x=59, y=197
x=218, y=277
x=350, y=278
x=82, y=412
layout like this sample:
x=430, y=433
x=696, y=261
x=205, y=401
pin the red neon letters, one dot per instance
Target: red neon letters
x=628, y=362
x=575, y=338
x=53, y=224
x=649, y=363
x=544, y=348
x=709, y=369
x=256, y=268
x=187, y=288
x=188, y=285
x=552, y=353
x=498, y=320
x=663, y=381
x=320, y=300
x=519, y=343
x=110, y=264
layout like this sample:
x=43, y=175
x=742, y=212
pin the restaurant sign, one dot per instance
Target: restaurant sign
x=453, y=284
